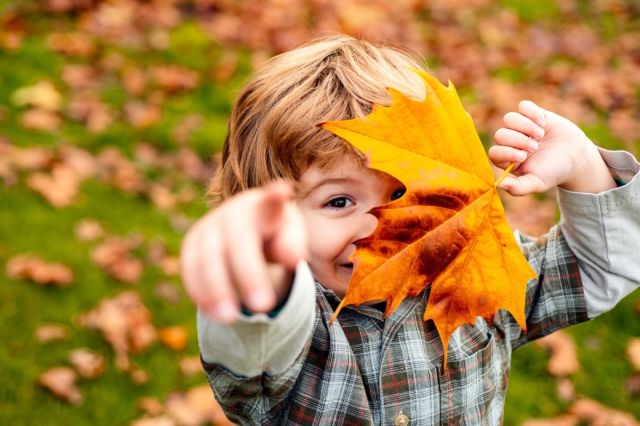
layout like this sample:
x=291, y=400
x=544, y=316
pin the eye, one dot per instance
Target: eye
x=339, y=203
x=398, y=193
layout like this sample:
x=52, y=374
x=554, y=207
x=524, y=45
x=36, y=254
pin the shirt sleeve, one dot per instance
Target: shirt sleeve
x=603, y=231
x=257, y=343
x=252, y=364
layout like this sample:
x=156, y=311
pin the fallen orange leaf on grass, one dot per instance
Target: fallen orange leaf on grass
x=449, y=228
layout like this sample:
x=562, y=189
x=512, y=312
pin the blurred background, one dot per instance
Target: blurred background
x=111, y=115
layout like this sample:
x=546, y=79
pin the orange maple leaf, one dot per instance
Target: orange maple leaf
x=449, y=228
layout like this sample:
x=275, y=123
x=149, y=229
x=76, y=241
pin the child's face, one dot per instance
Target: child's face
x=335, y=202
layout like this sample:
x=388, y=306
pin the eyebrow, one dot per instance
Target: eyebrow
x=324, y=182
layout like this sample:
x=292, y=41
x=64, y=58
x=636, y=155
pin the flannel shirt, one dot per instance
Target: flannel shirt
x=364, y=369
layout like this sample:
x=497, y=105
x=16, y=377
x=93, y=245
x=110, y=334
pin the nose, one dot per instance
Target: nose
x=366, y=225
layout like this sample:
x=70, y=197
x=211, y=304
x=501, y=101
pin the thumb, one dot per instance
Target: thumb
x=522, y=185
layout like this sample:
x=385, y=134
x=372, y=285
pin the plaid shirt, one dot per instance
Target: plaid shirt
x=365, y=369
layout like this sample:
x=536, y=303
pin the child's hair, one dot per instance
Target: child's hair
x=273, y=129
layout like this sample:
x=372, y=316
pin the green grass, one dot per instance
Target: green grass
x=28, y=224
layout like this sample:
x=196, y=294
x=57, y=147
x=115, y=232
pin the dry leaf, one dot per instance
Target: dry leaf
x=33, y=268
x=72, y=44
x=40, y=119
x=633, y=353
x=596, y=414
x=89, y=230
x=51, y=332
x=195, y=407
x=167, y=292
x=173, y=78
x=59, y=188
x=448, y=229
x=151, y=406
x=564, y=358
x=142, y=115
x=563, y=420
x=565, y=389
x=41, y=95
x=530, y=215
x=87, y=363
x=154, y=421
x=117, y=170
x=114, y=257
x=125, y=323
x=190, y=366
x=61, y=381
x=175, y=337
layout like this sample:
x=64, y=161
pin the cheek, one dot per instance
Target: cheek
x=327, y=240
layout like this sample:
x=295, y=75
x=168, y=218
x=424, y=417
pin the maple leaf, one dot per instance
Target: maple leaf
x=449, y=228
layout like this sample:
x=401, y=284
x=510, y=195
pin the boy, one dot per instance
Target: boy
x=286, y=363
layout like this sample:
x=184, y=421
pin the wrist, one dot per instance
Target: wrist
x=590, y=173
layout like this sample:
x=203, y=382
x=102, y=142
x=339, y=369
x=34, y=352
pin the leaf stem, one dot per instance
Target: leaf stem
x=504, y=174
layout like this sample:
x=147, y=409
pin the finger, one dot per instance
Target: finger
x=524, y=125
x=289, y=245
x=248, y=266
x=215, y=292
x=522, y=185
x=515, y=139
x=533, y=112
x=502, y=156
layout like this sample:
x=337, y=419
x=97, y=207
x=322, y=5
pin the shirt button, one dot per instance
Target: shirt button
x=401, y=419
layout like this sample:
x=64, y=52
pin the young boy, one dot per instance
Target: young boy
x=269, y=264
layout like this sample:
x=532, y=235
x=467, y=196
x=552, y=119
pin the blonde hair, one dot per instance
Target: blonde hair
x=273, y=129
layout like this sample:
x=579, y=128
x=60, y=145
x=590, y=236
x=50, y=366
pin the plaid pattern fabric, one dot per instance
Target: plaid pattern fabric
x=364, y=369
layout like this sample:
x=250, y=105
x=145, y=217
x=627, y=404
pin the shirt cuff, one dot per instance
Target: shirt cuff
x=257, y=343
x=624, y=169
x=603, y=231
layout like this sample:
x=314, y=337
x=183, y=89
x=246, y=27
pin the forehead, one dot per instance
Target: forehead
x=348, y=171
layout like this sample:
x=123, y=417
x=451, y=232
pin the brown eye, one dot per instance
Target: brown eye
x=398, y=193
x=339, y=202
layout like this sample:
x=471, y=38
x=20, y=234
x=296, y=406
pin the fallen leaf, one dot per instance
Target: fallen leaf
x=40, y=119
x=564, y=358
x=190, y=366
x=167, y=292
x=142, y=115
x=175, y=337
x=59, y=187
x=61, y=381
x=89, y=230
x=125, y=322
x=195, y=407
x=565, y=389
x=448, y=229
x=51, y=332
x=173, y=78
x=32, y=268
x=633, y=353
x=597, y=414
x=151, y=406
x=154, y=421
x=87, y=363
x=42, y=95
x=563, y=420
x=119, y=171
x=114, y=257
x=72, y=44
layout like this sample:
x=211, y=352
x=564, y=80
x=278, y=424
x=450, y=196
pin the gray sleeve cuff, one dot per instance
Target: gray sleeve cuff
x=603, y=231
x=256, y=344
